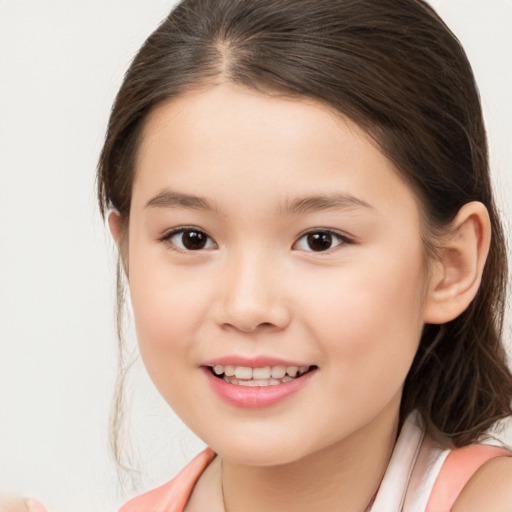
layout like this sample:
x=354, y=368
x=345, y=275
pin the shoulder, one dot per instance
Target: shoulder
x=490, y=488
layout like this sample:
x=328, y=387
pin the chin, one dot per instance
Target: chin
x=271, y=450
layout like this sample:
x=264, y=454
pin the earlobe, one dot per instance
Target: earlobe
x=114, y=223
x=456, y=274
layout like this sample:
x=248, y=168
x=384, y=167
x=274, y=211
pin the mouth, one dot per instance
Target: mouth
x=260, y=376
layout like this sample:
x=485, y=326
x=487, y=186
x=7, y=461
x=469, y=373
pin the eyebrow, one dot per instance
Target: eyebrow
x=307, y=204
x=169, y=199
x=325, y=202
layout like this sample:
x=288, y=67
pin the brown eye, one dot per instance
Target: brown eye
x=319, y=241
x=190, y=240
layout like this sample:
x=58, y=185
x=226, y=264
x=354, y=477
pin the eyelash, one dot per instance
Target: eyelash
x=168, y=238
x=326, y=236
x=331, y=237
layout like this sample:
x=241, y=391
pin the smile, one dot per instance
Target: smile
x=259, y=377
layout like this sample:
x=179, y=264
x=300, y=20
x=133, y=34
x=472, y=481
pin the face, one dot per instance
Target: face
x=276, y=272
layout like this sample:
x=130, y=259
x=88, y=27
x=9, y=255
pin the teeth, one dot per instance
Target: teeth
x=257, y=383
x=268, y=375
x=243, y=372
x=229, y=371
x=278, y=372
x=261, y=373
x=292, y=371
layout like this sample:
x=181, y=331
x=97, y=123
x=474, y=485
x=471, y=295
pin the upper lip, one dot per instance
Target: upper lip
x=253, y=362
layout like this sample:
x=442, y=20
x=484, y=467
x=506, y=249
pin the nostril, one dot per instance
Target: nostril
x=250, y=327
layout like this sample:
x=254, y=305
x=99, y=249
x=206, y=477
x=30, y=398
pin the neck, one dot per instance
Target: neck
x=344, y=476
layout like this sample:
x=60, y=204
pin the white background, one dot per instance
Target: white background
x=61, y=63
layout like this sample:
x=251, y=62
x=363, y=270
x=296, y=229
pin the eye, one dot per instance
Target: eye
x=319, y=241
x=189, y=239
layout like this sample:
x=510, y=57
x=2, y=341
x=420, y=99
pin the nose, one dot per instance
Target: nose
x=252, y=296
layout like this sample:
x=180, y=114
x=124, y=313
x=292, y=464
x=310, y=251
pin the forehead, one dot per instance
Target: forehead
x=233, y=140
x=214, y=114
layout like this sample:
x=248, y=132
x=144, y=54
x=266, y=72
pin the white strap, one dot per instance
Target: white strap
x=391, y=495
x=424, y=476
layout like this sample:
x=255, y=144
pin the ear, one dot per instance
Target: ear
x=114, y=223
x=457, y=272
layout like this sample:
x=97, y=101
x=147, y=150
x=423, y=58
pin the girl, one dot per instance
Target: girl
x=300, y=195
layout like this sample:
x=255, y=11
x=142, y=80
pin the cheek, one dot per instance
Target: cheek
x=168, y=305
x=370, y=320
x=165, y=322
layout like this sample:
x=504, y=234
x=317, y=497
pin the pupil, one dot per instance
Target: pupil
x=194, y=240
x=320, y=241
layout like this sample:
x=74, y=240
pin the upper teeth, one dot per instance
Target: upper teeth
x=266, y=372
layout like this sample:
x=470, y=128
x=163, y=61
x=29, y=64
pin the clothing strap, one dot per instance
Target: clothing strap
x=173, y=496
x=460, y=465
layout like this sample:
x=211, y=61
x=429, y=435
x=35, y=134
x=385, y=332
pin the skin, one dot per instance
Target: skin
x=355, y=310
x=17, y=504
x=489, y=489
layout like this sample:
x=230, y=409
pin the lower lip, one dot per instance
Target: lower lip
x=255, y=397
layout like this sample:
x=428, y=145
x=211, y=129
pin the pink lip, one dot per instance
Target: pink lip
x=255, y=397
x=252, y=362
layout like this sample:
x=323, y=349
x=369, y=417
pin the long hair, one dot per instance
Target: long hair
x=395, y=69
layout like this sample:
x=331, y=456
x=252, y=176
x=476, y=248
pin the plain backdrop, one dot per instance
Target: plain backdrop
x=61, y=63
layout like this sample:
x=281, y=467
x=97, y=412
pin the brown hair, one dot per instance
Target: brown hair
x=395, y=69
